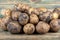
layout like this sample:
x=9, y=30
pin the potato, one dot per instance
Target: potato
x=14, y=27
x=6, y=13
x=33, y=11
x=34, y=19
x=15, y=15
x=55, y=25
x=45, y=16
x=25, y=8
x=42, y=27
x=29, y=28
x=18, y=6
x=57, y=10
x=42, y=9
x=23, y=18
x=54, y=15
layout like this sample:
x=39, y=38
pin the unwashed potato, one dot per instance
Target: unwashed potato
x=23, y=18
x=6, y=13
x=15, y=15
x=34, y=19
x=57, y=10
x=33, y=11
x=14, y=27
x=45, y=16
x=54, y=15
x=48, y=16
x=29, y=28
x=4, y=23
x=42, y=9
x=55, y=25
x=42, y=27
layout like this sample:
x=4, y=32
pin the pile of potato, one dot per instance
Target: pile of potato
x=29, y=20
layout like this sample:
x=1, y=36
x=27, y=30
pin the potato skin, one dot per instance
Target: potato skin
x=33, y=11
x=23, y=18
x=42, y=27
x=15, y=15
x=42, y=9
x=57, y=10
x=6, y=13
x=34, y=19
x=55, y=25
x=14, y=27
x=29, y=28
x=45, y=16
x=48, y=16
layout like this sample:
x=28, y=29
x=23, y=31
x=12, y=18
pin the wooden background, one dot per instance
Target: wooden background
x=51, y=4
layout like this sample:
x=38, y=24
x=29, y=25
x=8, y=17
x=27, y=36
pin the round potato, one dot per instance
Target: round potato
x=45, y=16
x=23, y=18
x=55, y=25
x=6, y=13
x=34, y=19
x=42, y=27
x=29, y=28
x=15, y=15
x=33, y=11
x=57, y=10
x=14, y=27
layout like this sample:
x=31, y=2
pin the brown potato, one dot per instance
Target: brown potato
x=42, y=9
x=29, y=28
x=34, y=19
x=54, y=15
x=23, y=18
x=57, y=10
x=55, y=25
x=45, y=16
x=14, y=27
x=6, y=13
x=15, y=15
x=4, y=22
x=33, y=11
x=42, y=27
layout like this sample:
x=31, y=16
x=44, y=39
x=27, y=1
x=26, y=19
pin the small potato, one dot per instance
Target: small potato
x=15, y=15
x=4, y=22
x=57, y=10
x=42, y=27
x=25, y=8
x=6, y=13
x=19, y=6
x=23, y=18
x=42, y=9
x=45, y=16
x=33, y=11
x=34, y=19
x=54, y=15
x=29, y=28
x=55, y=25
x=14, y=27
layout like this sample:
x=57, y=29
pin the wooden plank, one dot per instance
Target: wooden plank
x=8, y=36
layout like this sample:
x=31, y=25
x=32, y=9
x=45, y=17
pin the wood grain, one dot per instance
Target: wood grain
x=4, y=35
